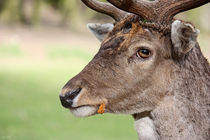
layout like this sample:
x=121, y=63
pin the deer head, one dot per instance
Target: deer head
x=138, y=60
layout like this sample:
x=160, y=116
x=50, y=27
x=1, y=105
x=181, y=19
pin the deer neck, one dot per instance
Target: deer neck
x=166, y=122
x=183, y=113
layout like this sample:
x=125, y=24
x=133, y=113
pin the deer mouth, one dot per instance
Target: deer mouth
x=84, y=110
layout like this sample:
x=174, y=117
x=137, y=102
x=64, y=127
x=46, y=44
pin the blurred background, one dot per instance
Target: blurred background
x=43, y=43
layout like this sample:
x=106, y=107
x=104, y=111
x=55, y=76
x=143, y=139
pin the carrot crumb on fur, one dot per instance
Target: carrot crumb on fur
x=101, y=108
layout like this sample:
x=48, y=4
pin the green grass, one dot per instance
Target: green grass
x=30, y=108
x=67, y=52
x=9, y=49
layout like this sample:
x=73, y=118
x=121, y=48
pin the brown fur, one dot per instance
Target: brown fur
x=175, y=92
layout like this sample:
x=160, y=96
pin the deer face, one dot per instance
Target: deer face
x=135, y=65
x=128, y=74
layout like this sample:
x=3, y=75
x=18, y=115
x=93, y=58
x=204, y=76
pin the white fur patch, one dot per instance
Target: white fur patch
x=84, y=111
x=145, y=129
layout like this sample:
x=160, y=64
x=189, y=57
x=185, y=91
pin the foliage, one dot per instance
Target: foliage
x=28, y=11
x=71, y=11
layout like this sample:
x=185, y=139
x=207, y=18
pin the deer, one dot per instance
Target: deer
x=149, y=66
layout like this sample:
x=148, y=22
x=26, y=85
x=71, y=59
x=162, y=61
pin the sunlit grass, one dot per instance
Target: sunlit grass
x=9, y=49
x=67, y=52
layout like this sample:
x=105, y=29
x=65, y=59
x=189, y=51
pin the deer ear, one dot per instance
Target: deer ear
x=100, y=30
x=184, y=38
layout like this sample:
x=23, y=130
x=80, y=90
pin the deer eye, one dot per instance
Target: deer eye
x=143, y=53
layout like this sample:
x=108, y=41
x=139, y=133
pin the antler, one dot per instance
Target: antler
x=178, y=6
x=106, y=8
x=160, y=11
x=141, y=8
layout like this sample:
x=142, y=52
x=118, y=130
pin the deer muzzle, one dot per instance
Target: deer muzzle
x=68, y=98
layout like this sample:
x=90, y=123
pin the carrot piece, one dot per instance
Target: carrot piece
x=101, y=108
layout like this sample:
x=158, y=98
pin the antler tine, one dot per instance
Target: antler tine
x=141, y=8
x=106, y=8
x=159, y=11
x=177, y=6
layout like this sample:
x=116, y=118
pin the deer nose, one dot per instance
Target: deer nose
x=67, y=98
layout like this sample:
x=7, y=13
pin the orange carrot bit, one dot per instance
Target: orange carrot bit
x=101, y=108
